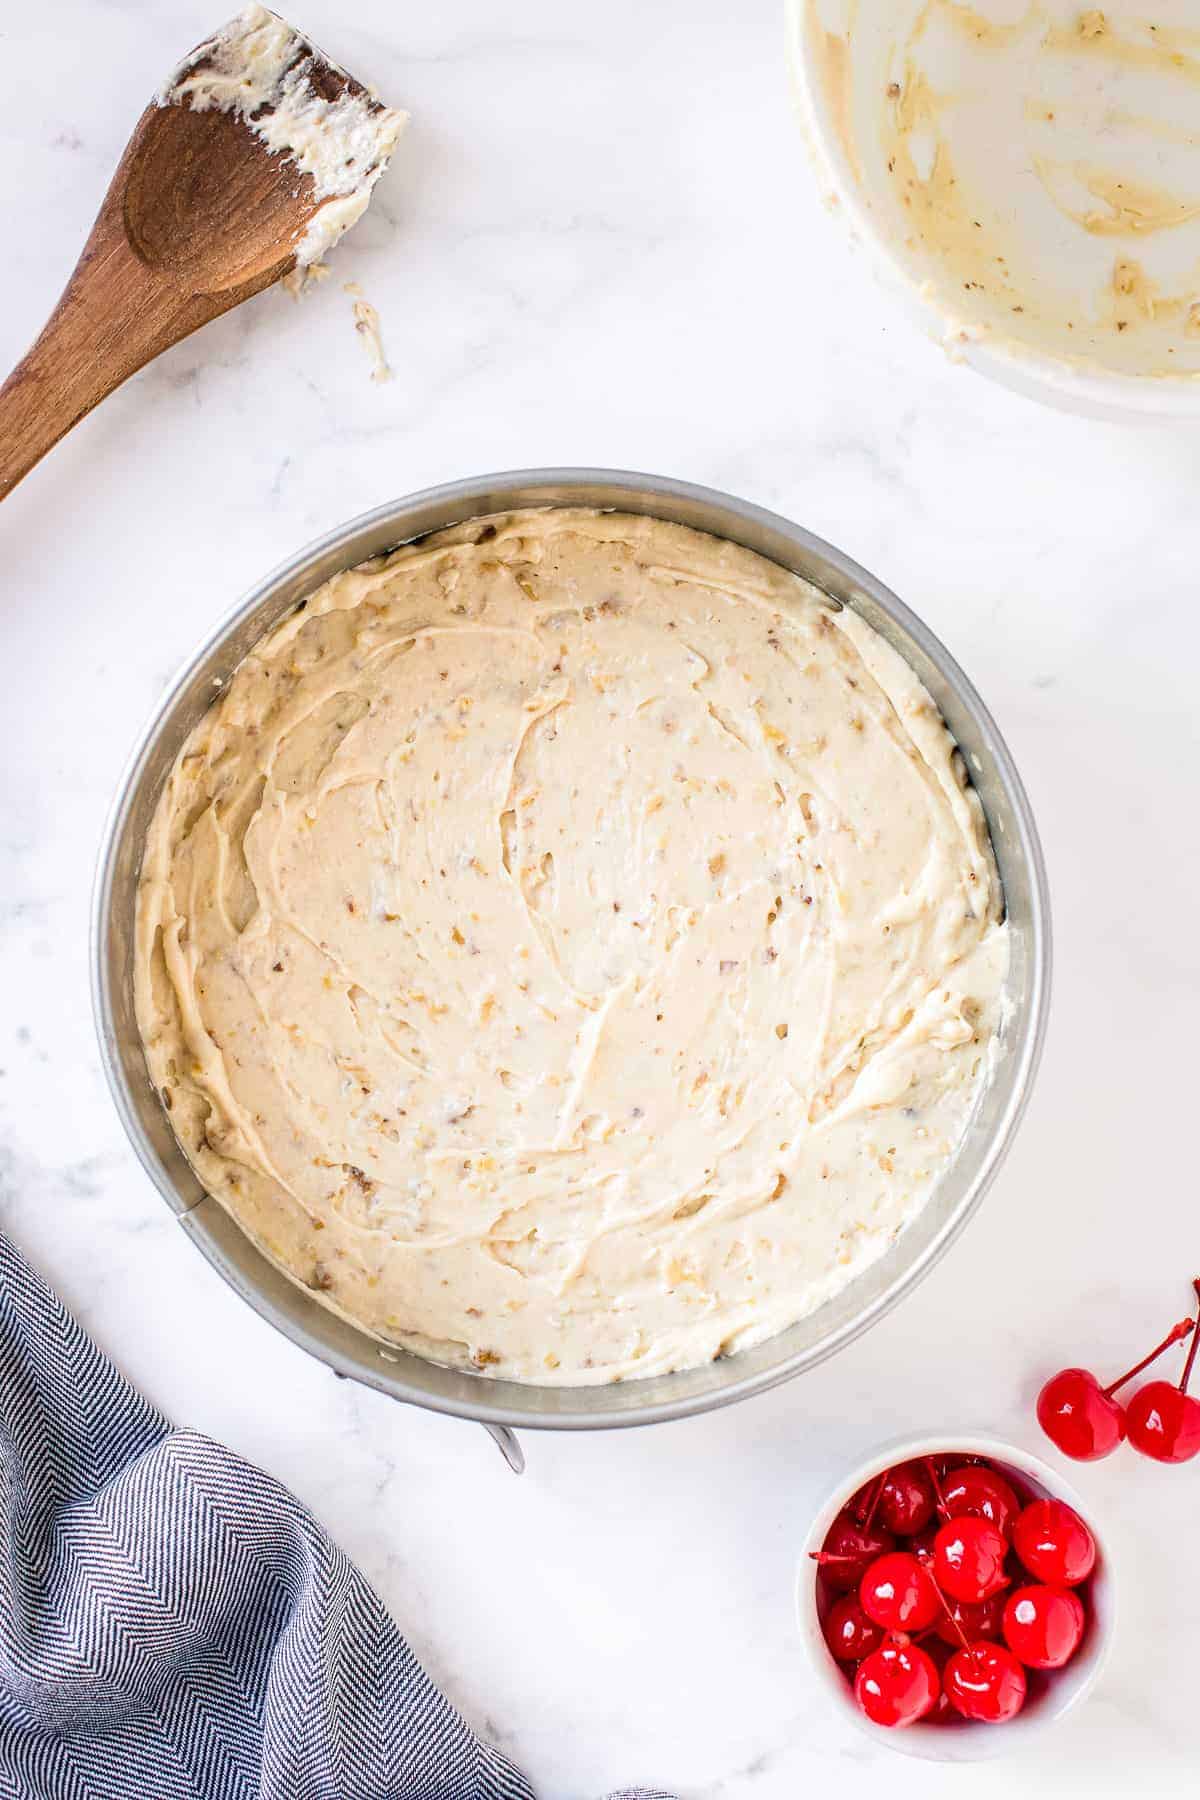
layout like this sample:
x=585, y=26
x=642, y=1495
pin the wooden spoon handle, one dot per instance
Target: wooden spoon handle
x=118, y=311
x=107, y=324
x=115, y=315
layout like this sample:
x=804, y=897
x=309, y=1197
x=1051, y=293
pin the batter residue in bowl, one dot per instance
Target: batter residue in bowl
x=569, y=946
x=1034, y=165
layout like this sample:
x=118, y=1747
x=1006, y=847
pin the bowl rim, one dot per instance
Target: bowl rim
x=1054, y=381
x=506, y=1403
x=968, y=1740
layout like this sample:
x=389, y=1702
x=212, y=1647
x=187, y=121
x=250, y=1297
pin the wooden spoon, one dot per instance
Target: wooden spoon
x=201, y=214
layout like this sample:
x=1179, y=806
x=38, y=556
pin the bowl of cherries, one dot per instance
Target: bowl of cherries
x=954, y=1597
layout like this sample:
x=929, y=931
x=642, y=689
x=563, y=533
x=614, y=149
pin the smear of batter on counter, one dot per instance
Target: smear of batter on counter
x=570, y=946
x=258, y=67
x=366, y=323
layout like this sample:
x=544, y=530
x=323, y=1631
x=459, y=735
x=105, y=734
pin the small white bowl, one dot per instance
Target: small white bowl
x=1050, y=1695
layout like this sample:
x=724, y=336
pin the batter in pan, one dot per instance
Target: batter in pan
x=569, y=946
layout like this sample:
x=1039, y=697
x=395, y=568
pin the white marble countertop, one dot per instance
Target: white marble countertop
x=601, y=244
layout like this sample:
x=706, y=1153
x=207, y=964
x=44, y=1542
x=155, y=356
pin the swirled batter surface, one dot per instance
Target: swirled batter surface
x=569, y=947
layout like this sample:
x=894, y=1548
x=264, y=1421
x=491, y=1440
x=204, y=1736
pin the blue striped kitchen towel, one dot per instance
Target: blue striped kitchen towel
x=173, y=1624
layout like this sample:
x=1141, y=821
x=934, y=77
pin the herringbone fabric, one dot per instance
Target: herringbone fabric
x=173, y=1624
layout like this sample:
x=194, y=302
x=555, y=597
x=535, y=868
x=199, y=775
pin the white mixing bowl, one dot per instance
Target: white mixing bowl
x=1026, y=174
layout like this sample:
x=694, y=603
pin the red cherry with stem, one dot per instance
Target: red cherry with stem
x=1078, y=1416
x=1043, y=1626
x=848, y=1550
x=968, y=1559
x=967, y=1622
x=848, y=1631
x=980, y=1493
x=1164, y=1421
x=1054, y=1544
x=906, y=1499
x=863, y=1506
x=897, y=1684
x=985, y=1682
x=897, y=1592
x=1081, y=1417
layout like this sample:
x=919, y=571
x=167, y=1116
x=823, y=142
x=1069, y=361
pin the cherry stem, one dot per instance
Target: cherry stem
x=1174, y=1336
x=1192, y=1348
x=832, y=1556
x=939, y=1497
x=875, y=1499
x=962, y=1636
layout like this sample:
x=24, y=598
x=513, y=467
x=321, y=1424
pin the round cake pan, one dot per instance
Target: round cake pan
x=502, y=1404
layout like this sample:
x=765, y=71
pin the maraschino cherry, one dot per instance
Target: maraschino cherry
x=985, y=1682
x=980, y=1493
x=898, y=1592
x=849, y=1549
x=897, y=1684
x=1043, y=1626
x=1164, y=1421
x=1081, y=1417
x=1053, y=1543
x=967, y=1622
x=968, y=1559
x=848, y=1631
x=906, y=1499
